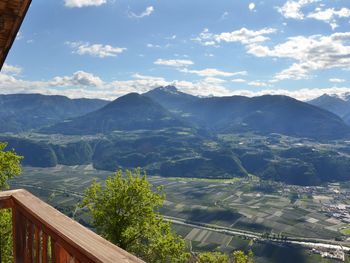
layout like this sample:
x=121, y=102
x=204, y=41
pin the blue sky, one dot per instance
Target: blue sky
x=107, y=48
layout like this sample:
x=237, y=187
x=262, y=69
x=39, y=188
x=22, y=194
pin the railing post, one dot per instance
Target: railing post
x=19, y=236
x=59, y=254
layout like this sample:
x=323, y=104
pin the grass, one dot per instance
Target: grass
x=346, y=231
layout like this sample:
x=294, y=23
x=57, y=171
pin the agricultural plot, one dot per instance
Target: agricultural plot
x=227, y=203
x=202, y=240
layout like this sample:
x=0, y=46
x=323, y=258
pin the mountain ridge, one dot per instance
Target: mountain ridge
x=23, y=112
x=129, y=112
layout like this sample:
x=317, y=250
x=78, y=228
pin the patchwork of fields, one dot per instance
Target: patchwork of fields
x=237, y=204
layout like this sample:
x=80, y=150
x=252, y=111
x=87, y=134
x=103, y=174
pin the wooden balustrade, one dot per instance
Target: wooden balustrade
x=42, y=234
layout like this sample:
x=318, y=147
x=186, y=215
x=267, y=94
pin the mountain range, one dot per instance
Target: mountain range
x=130, y=112
x=23, y=112
x=171, y=133
x=337, y=105
x=167, y=107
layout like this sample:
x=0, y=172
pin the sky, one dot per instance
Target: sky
x=108, y=48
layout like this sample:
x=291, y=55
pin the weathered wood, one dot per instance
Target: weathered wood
x=44, y=258
x=61, y=255
x=37, y=244
x=12, y=15
x=19, y=227
x=29, y=241
x=75, y=243
x=53, y=250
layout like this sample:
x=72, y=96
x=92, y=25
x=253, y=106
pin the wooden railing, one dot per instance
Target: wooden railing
x=43, y=234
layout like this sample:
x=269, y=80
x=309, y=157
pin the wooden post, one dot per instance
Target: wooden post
x=44, y=248
x=19, y=236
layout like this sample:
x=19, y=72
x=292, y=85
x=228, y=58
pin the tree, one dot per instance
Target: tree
x=240, y=257
x=212, y=257
x=125, y=212
x=10, y=166
x=218, y=257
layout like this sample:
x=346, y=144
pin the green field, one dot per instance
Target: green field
x=237, y=204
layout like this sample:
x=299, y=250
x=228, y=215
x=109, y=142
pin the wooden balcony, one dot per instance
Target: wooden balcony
x=43, y=234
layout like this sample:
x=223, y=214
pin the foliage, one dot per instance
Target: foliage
x=125, y=211
x=212, y=257
x=217, y=257
x=9, y=167
x=5, y=236
x=240, y=257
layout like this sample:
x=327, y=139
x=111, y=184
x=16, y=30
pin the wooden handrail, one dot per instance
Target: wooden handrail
x=34, y=221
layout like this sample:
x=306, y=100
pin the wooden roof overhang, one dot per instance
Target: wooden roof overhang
x=12, y=13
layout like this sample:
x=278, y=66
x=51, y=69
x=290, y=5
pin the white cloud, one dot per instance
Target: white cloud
x=174, y=62
x=258, y=83
x=83, y=3
x=12, y=70
x=311, y=53
x=83, y=84
x=147, y=12
x=173, y=37
x=300, y=94
x=251, y=6
x=19, y=35
x=212, y=72
x=153, y=45
x=238, y=80
x=209, y=55
x=293, y=9
x=206, y=38
x=97, y=50
x=329, y=15
x=296, y=72
x=78, y=79
x=224, y=15
x=334, y=80
x=244, y=36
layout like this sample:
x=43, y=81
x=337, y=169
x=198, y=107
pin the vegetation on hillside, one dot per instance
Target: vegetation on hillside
x=10, y=166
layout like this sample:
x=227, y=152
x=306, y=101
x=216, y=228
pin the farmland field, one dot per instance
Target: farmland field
x=242, y=204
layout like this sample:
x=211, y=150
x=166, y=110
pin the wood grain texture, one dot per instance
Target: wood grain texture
x=19, y=236
x=12, y=15
x=44, y=257
x=78, y=242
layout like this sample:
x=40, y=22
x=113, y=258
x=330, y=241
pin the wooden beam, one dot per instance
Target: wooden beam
x=76, y=240
x=12, y=13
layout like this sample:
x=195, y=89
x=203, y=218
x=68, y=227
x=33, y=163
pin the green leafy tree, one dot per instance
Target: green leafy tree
x=240, y=257
x=125, y=211
x=10, y=166
x=212, y=257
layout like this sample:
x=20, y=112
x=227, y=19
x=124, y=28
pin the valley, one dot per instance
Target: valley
x=268, y=173
x=239, y=204
x=187, y=152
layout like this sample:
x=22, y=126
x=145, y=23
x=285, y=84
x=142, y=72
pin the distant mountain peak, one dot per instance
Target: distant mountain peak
x=169, y=89
x=327, y=96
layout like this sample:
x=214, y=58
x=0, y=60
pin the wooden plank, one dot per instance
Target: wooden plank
x=6, y=199
x=53, y=250
x=44, y=258
x=29, y=241
x=61, y=255
x=79, y=241
x=37, y=244
x=15, y=11
x=19, y=227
